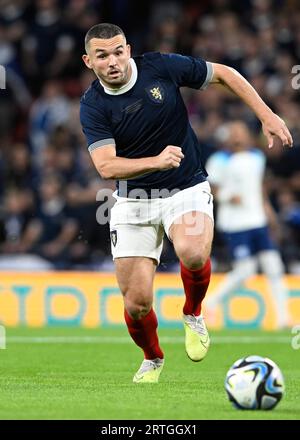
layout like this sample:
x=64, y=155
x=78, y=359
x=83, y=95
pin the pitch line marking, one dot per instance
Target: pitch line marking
x=127, y=340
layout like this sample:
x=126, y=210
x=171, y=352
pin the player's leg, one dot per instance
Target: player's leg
x=241, y=271
x=193, y=251
x=271, y=264
x=244, y=265
x=192, y=236
x=188, y=222
x=137, y=240
x=135, y=277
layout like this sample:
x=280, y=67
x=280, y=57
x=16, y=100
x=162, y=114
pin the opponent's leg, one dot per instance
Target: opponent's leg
x=272, y=266
x=242, y=270
x=192, y=236
x=135, y=277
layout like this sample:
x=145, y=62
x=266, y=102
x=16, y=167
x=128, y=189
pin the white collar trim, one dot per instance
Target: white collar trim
x=127, y=86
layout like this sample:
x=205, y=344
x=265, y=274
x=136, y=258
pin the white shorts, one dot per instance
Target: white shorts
x=137, y=226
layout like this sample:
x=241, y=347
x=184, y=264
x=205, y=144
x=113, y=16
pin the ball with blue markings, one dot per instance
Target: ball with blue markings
x=254, y=382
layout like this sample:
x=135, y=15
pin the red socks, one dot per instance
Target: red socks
x=143, y=332
x=195, y=284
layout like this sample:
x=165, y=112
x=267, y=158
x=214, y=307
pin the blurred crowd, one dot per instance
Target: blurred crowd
x=48, y=185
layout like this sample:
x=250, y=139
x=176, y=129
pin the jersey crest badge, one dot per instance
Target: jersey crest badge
x=156, y=93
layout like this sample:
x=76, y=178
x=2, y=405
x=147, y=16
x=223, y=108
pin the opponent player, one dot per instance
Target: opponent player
x=237, y=178
x=138, y=133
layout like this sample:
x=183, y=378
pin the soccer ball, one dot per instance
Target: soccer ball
x=254, y=382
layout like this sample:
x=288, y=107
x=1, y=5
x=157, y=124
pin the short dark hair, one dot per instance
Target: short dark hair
x=102, y=30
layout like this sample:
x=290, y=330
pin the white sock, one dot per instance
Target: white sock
x=242, y=270
x=272, y=266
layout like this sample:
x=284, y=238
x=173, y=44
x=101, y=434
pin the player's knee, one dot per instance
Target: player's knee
x=137, y=309
x=193, y=257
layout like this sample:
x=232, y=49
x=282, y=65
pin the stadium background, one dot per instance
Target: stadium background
x=48, y=184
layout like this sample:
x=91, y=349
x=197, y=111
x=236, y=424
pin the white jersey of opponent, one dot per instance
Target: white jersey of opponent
x=238, y=174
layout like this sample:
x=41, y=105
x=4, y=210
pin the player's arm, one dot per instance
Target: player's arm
x=224, y=196
x=111, y=166
x=272, y=124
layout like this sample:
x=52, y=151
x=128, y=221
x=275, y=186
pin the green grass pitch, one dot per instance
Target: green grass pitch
x=76, y=373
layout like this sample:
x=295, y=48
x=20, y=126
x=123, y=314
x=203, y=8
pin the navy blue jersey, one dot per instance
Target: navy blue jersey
x=151, y=115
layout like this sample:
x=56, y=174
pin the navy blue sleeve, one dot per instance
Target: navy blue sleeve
x=188, y=71
x=95, y=126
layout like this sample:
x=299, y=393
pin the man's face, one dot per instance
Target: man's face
x=239, y=137
x=109, y=59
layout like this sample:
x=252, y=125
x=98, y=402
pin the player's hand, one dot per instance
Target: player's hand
x=169, y=158
x=273, y=126
x=235, y=200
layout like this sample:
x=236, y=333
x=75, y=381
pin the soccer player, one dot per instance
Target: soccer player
x=138, y=133
x=236, y=176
